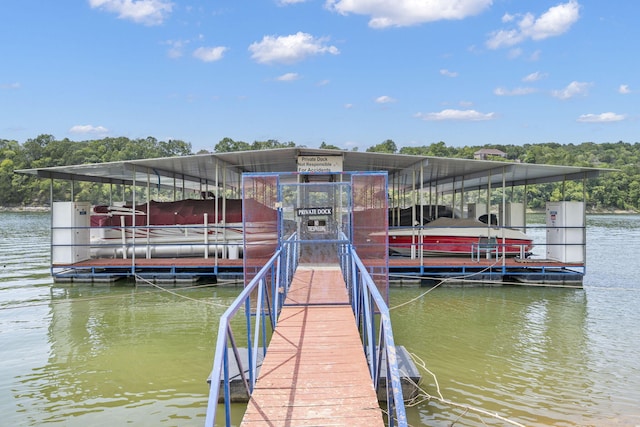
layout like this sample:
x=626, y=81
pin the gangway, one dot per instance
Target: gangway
x=314, y=314
x=313, y=365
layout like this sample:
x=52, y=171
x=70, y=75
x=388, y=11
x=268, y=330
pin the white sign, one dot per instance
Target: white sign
x=319, y=163
x=315, y=211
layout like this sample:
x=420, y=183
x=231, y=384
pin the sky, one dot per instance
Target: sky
x=350, y=73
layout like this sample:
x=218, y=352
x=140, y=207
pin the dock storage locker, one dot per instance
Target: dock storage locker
x=476, y=210
x=70, y=222
x=513, y=216
x=565, y=231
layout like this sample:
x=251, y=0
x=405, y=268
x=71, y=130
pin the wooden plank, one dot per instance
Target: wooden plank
x=318, y=285
x=315, y=372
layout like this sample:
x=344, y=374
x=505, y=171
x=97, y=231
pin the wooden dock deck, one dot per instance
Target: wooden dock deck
x=315, y=372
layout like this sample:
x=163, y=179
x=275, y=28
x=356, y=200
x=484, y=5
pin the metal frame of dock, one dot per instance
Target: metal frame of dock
x=427, y=270
x=413, y=180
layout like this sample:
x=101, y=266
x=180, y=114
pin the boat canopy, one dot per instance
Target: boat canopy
x=446, y=175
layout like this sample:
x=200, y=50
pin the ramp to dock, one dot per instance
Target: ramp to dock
x=315, y=371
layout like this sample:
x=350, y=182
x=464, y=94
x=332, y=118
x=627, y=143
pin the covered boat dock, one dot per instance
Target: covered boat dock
x=125, y=222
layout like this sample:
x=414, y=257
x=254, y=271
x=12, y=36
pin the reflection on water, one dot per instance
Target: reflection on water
x=514, y=351
x=126, y=351
x=112, y=355
x=536, y=356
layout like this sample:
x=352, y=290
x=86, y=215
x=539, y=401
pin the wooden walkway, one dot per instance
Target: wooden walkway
x=315, y=372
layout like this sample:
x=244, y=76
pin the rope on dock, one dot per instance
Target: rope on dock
x=463, y=277
x=50, y=302
x=176, y=294
x=502, y=282
x=106, y=297
x=424, y=396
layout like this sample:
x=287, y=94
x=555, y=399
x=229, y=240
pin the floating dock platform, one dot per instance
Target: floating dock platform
x=428, y=271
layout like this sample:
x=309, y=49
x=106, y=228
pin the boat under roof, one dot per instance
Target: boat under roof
x=406, y=174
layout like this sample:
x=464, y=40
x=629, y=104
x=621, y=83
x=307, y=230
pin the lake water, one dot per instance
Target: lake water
x=80, y=355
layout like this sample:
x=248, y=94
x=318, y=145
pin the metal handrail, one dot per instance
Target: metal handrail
x=367, y=302
x=279, y=270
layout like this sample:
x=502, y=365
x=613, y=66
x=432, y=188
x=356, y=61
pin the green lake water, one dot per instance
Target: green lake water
x=111, y=355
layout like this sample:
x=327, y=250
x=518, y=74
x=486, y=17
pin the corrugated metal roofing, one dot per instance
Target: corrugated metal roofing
x=445, y=173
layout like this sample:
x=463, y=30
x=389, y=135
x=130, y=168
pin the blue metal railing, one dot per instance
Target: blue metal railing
x=267, y=304
x=367, y=303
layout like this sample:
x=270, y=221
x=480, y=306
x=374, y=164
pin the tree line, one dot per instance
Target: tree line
x=618, y=190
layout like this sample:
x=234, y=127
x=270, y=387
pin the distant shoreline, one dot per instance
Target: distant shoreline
x=25, y=209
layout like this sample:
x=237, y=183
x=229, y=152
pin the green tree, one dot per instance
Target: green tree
x=387, y=146
x=174, y=147
x=619, y=190
x=228, y=145
x=9, y=154
x=326, y=146
x=271, y=144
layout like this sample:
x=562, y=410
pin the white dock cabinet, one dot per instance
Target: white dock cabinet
x=70, y=222
x=476, y=210
x=512, y=216
x=565, y=231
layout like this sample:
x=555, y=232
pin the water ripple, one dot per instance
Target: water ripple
x=82, y=355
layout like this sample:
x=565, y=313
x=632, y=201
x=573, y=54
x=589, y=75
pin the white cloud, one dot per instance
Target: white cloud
x=448, y=73
x=402, y=13
x=148, y=12
x=209, y=54
x=573, y=89
x=384, y=99
x=514, y=53
x=88, y=129
x=288, y=77
x=289, y=49
x=535, y=55
x=557, y=20
x=323, y=82
x=624, y=89
x=348, y=106
x=460, y=115
x=554, y=22
x=507, y=17
x=15, y=85
x=504, y=38
x=601, y=118
x=500, y=91
x=534, y=77
x=175, y=48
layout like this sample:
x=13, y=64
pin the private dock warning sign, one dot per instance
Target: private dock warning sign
x=319, y=163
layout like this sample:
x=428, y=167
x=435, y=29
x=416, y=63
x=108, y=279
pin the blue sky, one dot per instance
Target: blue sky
x=351, y=73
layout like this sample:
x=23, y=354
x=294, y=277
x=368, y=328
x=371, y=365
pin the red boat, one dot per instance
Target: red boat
x=183, y=228
x=453, y=236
